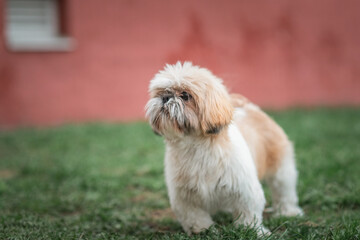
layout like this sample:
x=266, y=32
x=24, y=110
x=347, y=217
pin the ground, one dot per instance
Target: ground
x=105, y=181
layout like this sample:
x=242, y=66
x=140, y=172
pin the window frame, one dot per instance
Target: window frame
x=48, y=36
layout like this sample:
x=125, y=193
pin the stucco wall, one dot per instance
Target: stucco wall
x=277, y=53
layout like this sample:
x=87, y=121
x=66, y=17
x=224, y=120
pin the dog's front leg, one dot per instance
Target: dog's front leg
x=193, y=219
x=249, y=208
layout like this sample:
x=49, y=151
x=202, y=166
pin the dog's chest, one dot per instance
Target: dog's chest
x=197, y=169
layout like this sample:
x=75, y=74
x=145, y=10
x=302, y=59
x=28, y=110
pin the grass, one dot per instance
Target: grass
x=105, y=181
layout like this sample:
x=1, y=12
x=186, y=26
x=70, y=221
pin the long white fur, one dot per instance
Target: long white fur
x=283, y=186
x=216, y=177
x=222, y=179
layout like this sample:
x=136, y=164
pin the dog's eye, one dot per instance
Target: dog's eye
x=185, y=96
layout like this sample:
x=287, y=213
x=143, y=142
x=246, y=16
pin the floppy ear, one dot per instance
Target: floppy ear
x=215, y=110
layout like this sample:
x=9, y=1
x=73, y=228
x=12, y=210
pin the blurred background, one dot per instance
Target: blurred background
x=64, y=62
x=73, y=60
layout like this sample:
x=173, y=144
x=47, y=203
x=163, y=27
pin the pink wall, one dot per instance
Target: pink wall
x=278, y=53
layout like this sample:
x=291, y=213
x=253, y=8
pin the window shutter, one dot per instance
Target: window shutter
x=33, y=25
x=32, y=18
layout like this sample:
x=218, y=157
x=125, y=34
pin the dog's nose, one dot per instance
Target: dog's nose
x=166, y=98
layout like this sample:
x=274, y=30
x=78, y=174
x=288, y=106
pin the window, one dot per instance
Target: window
x=34, y=25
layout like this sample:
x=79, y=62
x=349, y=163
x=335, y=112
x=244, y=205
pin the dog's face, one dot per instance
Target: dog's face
x=187, y=100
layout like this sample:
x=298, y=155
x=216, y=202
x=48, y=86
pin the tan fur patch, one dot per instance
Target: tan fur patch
x=214, y=106
x=238, y=100
x=266, y=140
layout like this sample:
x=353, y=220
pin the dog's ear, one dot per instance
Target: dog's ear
x=215, y=110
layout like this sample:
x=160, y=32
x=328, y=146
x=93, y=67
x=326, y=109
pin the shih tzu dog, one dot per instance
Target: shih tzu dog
x=218, y=148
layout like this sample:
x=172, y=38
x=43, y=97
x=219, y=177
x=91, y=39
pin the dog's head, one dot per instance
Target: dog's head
x=187, y=100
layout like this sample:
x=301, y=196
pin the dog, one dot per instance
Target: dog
x=218, y=148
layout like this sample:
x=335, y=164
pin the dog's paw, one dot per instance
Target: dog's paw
x=263, y=231
x=199, y=227
x=288, y=211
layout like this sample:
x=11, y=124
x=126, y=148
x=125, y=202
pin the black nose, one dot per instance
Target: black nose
x=166, y=98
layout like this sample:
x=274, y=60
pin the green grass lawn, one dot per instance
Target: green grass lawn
x=105, y=181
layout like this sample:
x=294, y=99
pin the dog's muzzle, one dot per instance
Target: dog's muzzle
x=166, y=98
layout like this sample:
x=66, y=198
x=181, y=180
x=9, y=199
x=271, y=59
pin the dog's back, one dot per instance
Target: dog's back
x=266, y=140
